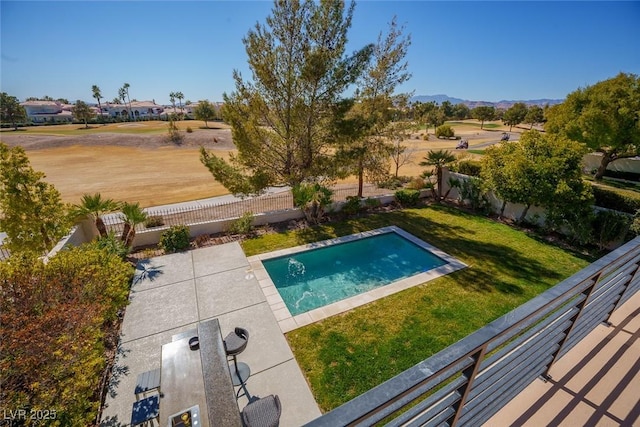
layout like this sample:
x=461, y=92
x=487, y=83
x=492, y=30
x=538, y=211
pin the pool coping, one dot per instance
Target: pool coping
x=288, y=323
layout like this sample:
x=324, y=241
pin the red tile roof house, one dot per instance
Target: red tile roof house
x=139, y=109
x=48, y=111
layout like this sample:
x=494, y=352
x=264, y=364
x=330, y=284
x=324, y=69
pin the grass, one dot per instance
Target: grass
x=477, y=124
x=153, y=127
x=627, y=188
x=480, y=152
x=149, y=176
x=346, y=355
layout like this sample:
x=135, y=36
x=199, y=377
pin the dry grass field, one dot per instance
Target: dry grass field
x=135, y=162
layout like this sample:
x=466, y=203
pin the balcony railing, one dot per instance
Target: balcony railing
x=468, y=382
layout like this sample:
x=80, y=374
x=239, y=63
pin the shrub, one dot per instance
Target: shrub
x=627, y=176
x=472, y=193
x=370, y=203
x=154, y=221
x=189, y=130
x=417, y=183
x=312, y=199
x=175, y=239
x=609, y=226
x=174, y=133
x=112, y=245
x=352, y=205
x=445, y=131
x=394, y=182
x=611, y=199
x=407, y=197
x=55, y=323
x=242, y=225
x=425, y=137
x=468, y=167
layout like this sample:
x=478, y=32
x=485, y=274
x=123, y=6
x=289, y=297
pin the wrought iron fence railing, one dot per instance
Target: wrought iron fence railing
x=196, y=213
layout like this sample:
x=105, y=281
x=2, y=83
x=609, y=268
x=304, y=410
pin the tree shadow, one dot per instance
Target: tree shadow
x=146, y=271
x=112, y=422
x=13, y=130
x=492, y=266
x=118, y=370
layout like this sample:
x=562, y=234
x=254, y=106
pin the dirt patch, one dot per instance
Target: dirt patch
x=219, y=139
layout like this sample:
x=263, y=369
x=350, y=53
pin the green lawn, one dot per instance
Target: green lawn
x=625, y=188
x=346, y=355
x=478, y=124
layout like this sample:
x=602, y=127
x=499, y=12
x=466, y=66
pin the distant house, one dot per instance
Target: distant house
x=189, y=109
x=48, y=111
x=139, y=109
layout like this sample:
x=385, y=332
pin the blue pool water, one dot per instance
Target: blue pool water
x=317, y=277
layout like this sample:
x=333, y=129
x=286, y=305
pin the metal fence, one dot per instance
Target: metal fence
x=470, y=381
x=210, y=212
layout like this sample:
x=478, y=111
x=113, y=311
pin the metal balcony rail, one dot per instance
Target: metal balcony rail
x=468, y=382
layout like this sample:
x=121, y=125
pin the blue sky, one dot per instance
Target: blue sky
x=475, y=50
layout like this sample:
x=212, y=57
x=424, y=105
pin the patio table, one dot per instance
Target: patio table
x=198, y=377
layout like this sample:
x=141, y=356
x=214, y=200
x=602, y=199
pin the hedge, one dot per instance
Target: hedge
x=616, y=200
x=56, y=323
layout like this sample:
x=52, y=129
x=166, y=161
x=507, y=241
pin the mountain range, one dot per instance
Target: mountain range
x=439, y=99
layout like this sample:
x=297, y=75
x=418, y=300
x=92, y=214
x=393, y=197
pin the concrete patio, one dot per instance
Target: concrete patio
x=171, y=294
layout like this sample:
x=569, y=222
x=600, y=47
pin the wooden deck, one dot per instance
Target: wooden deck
x=596, y=384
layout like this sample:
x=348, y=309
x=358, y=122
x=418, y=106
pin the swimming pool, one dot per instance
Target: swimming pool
x=314, y=281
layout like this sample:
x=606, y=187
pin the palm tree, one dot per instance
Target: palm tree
x=438, y=159
x=132, y=215
x=180, y=97
x=95, y=206
x=172, y=98
x=98, y=95
x=123, y=97
x=125, y=89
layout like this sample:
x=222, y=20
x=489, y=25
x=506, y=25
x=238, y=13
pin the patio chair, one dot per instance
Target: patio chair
x=235, y=343
x=262, y=412
x=147, y=382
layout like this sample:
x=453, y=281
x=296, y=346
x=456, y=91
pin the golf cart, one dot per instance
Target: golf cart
x=463, y=144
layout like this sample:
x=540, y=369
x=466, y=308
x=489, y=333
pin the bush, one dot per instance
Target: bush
x=56, y=323
x=371, y=203
x=609, y=226
x=312, y=199
x=112, y=245
x=417, y=183
x=352, y=205
x=611, y=199
x=628, y=176
x=445, y=131
x=468, y=167
x=175, y=239
x=407, y=197
x=174, y=133
x=154, y=221
x=189, y=130
x=393, y=183
x=242, y=225
x=472, y=193
x=425, y=137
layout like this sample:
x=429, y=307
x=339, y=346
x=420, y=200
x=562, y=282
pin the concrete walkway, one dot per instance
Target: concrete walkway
x=171, y=294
